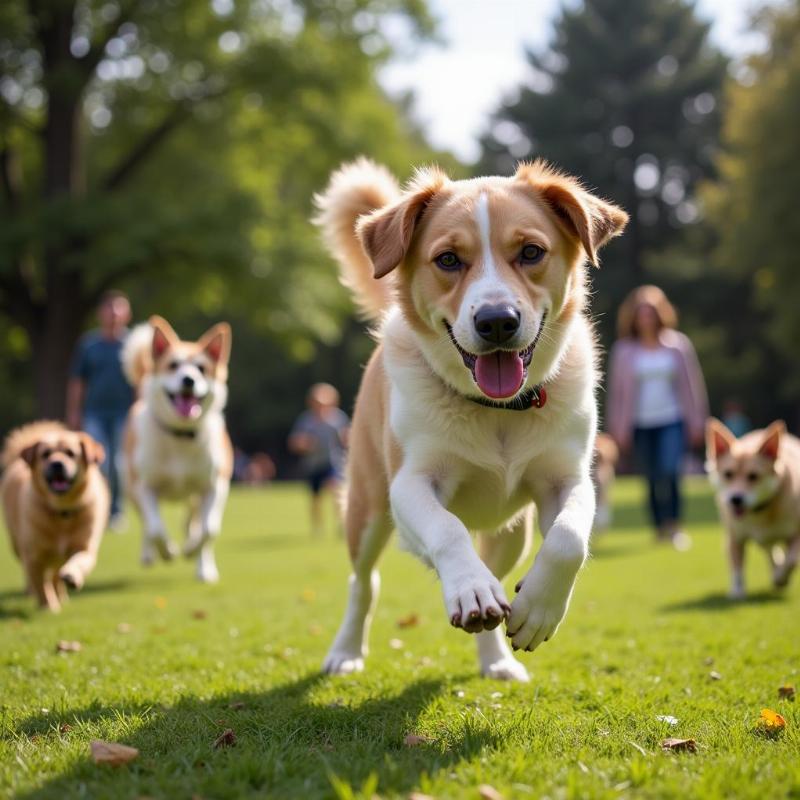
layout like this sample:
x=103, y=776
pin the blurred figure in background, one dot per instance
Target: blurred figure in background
x=734, y=418
x=98, y=394
x=657, y=402
x=319, y=437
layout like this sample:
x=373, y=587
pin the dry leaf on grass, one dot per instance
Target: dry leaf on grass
x=487, y=792
x=161, y=602
x=770, y=723
x=64, y=727
x=308, y=595
x=415, y=740
x=409, y=621
x=226, y=739
x=112, y=753
x=198, y=613
x=65, y=646
x=123, y=627
x=786, y=692
x=679, y=745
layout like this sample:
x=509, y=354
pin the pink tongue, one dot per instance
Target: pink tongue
x=499, y=374
x=185, y=405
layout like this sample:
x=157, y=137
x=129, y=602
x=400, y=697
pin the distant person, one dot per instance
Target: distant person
x=656, y=402
x=734, y=418
x=319, y=437
x=98, y=394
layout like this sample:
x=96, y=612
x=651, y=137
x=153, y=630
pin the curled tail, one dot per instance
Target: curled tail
x=136, y=356
x=356, y=189
x=21, y=439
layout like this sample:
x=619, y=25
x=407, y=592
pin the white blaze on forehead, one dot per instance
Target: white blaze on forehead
x=489, y=288
x=484, y=228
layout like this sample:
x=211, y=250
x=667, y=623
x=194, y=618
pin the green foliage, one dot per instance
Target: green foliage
x=643, y=624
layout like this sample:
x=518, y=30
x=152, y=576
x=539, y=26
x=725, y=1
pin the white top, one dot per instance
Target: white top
x=657, y=397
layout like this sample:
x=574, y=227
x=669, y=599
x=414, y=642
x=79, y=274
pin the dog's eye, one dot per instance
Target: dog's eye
x=173, y=365
x=728, y=474
x=46, y=453
x=531, y=254
x=201, y=368
x=752, y=477
x=448, y=261
x=69, y=454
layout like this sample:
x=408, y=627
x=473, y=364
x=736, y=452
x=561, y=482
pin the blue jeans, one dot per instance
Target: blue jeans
x=659, y=452
x=107, y=429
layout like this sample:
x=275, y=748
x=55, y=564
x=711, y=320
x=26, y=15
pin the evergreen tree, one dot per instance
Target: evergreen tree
x=627, y=97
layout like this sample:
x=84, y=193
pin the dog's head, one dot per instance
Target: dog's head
x=745, y=472
x=490, y=271
x=188, y=378
x=60, y=460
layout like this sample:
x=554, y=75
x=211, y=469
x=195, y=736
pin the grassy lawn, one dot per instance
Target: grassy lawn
x=167, y=664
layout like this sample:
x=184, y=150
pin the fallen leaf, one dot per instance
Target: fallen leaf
x=64, y=727
x=396, y=644
x=414, y=740
x=770, y=723
x=668, y=718
x=65, y=646
x=226, y=739
x=409, y=621
x=679, y=745
x=112, y=753
x=786, y=692
x=123, y=627
x=314, y=629
x=161, y=602
x=237, y=706
x=308, y=595
x=714, y=675
x=487, y=792
x=198, y=613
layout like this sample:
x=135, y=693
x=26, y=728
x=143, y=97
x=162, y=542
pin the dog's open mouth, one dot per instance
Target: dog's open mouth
x=501, y=373
x=59, y=485
x=186, y=404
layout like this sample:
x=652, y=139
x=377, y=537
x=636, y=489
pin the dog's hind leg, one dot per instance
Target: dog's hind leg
x=350, y=645
x=155, y=537
x=194, y=525
x=501, y=552
x=212, y=506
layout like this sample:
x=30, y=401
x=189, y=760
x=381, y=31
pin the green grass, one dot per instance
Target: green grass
x=639, y=640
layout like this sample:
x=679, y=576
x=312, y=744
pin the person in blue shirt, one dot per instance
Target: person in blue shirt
x=98, y=394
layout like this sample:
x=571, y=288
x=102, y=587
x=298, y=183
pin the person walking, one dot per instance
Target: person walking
x=657, y=402
x=98, y=394
x=319, y=437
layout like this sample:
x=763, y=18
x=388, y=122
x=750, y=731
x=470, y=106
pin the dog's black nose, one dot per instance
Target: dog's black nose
x=736, y=500
x=187, y=382
x=55, y=469
x=497, y=324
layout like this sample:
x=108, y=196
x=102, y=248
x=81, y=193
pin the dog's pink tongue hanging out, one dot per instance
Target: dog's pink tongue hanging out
x=499, y=374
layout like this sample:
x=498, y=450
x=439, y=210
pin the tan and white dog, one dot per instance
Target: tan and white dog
x=55, y=503
x=479, y=399
x=176, y=444
x=757, y=483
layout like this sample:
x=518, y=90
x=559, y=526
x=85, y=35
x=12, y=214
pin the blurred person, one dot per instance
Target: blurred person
x=260, y=469
x=98, y=394
x=734, y=417
x=657, y=402
x=319, y=437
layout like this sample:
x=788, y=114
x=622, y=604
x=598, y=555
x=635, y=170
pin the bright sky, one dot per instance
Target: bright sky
x=459, y=82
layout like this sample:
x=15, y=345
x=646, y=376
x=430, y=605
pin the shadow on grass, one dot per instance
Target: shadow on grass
x=721, y=602
x=287, y=745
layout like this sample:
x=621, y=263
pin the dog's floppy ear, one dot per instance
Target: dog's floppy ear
x=28, y=455
x=386, y=233
x=771, y=445
x=216, y=343
x=163, y=336
x=93, y=452
x=719, y=439
x=592, y=220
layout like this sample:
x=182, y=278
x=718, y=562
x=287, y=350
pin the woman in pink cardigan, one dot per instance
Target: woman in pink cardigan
x=657, y=401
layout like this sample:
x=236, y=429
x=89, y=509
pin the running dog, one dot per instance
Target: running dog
x=757, y=483
x=479, y=400
x=176, y=445
x=56, y=504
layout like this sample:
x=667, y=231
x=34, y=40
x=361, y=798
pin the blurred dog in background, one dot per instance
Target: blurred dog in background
x=176, y=443
x=56, y=505
x=757, y=483
x=604, y=470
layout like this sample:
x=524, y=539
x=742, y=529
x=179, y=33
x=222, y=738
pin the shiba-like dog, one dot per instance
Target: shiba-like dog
x=757, y=484
x=479, y=399
x=56, y=504
x=176, y=445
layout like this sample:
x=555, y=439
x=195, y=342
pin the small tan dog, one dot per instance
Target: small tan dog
x=479, y=400
x=176, y=444
x=757, y=482
x=606, y=456
x=56, y=504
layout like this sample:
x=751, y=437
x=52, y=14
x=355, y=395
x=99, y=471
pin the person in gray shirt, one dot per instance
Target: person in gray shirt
x=319, y=437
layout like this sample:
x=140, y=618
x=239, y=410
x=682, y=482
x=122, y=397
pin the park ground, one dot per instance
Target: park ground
x=167, y=665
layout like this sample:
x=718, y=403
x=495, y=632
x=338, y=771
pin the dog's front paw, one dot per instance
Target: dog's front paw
x=475, y=601
x=781, y=575
x=506, y=669
x=72, y=578
x=342, y=662
x=162, y=544
x=536, y=613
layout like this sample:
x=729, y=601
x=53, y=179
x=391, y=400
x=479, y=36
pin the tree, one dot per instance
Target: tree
x=627, y=97
x=126, y=128
x=753, y=207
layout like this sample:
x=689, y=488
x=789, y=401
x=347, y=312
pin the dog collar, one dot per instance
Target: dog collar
x=535, y=397
x=181, y=433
